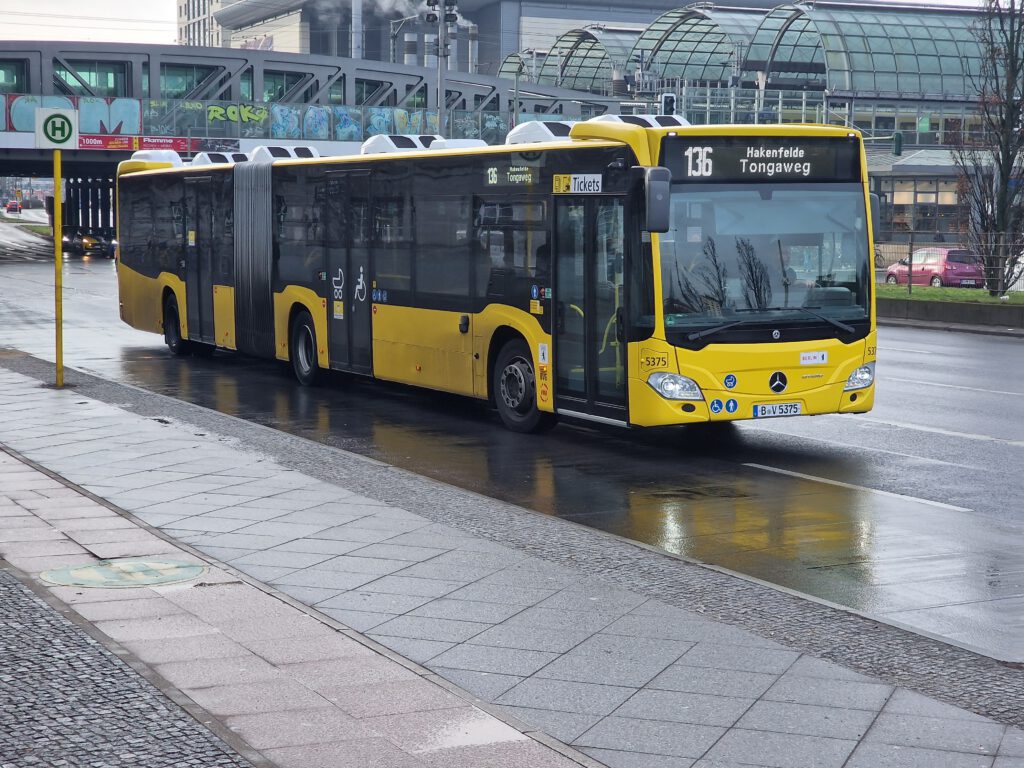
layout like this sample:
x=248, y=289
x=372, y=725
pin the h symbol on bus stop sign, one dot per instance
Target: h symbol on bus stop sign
x=57, y=129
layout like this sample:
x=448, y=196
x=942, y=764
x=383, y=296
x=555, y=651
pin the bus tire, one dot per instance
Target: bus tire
x=302, y=350
x=172, y=328
x=515, y=390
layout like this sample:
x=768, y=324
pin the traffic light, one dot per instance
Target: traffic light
x=897, y=143
x=668, y=103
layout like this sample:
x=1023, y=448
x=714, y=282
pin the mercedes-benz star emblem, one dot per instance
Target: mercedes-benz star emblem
x=777, y=383
x=776, y=335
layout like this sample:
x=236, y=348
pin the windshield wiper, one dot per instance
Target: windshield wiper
x=714, y=329
x=838, y=324
x=808, y=310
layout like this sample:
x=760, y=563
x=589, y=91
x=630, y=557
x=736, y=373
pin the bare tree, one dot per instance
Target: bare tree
x=992, y=159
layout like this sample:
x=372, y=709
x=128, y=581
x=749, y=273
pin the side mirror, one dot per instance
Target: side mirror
x=876, y=215
x=657, y=183
x=904, y=262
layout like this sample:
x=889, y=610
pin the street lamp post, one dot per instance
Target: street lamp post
x=443, y=12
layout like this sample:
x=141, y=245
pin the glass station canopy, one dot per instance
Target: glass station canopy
x=867, y=49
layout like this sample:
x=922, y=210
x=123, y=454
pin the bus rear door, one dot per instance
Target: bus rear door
x=590, y=351
x=199, y=258
x=347, y=245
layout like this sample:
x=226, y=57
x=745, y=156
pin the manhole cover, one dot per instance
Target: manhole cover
x=123, y=573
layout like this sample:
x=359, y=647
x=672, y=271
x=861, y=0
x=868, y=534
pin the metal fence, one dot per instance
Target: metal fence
x=997, y=259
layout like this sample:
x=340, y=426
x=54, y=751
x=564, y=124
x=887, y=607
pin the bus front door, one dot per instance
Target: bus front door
x=347, y=246
x=590, y=350
x=199, y=258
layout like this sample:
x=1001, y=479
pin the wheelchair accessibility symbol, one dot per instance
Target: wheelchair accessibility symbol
x=360, y=292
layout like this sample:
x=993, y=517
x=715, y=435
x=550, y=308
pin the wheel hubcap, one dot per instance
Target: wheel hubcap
x=516, y=385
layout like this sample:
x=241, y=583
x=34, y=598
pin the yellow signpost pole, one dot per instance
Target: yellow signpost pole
x=58, y=264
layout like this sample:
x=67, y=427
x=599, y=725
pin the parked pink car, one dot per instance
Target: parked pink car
x=956, y=267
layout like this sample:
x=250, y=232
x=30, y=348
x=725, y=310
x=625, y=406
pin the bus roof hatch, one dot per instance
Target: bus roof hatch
x=536, y=131
x=384, y=143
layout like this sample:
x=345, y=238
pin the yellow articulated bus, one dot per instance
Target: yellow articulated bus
x=634, y=271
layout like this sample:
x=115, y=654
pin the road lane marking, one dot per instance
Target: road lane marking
x=844, y=444
x=827, y=481
x=947, y=432
x=907, y=349
x=955, y=386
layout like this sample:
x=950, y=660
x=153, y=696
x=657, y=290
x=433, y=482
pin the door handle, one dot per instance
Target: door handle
x=464, y=324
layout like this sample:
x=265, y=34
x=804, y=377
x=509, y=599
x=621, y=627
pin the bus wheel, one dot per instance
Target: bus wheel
x=172, y=328
x=303, y=350
x=515, y=390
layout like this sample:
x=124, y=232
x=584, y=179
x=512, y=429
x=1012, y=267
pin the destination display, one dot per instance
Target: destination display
x=510, y=175
x=758, y=159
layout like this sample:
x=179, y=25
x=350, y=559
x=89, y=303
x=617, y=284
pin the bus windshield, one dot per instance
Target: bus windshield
x=741, y=256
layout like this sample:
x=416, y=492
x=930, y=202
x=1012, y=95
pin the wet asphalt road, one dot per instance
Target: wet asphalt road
x=912, y=513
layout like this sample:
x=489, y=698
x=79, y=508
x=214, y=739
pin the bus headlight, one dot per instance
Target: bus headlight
x=672, y=386
x=862, y=377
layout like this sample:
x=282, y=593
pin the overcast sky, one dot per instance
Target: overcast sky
x=148, y=21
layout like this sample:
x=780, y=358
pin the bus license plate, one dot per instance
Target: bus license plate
x=777, y=409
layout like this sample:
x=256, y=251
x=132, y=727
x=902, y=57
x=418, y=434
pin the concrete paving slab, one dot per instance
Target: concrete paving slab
x=425, y=628
x=562, y=696
x=466, y=610
x=505, y=661
x=721, y=656
x=174, y=625
x=248, y=698
x=318, y=546
x=615, y=759
x=375, y=602
x=808, y=720
x=355, y=753
x=317, y=577
x=370, y=565
x=298, y=650
x=680, y=707
x=564, y=726
x=487, y=685
x=391, y=697
x=616, y=660
x=836, y=693
x=163, y=650
x=868, y=755
x=300, y=727
x=233, y=670
x=360, y=621
x=978, y=738
x=139, y=608
x=530, y=638
x=405, y=585
x=517, y=754
x=660, y=738
x=781, y=750
x=424, y=732
x=420, y=651
x=716, y=682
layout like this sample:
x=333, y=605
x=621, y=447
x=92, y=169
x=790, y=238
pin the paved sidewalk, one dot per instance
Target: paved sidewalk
x=286, y=688
x=622, y=678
